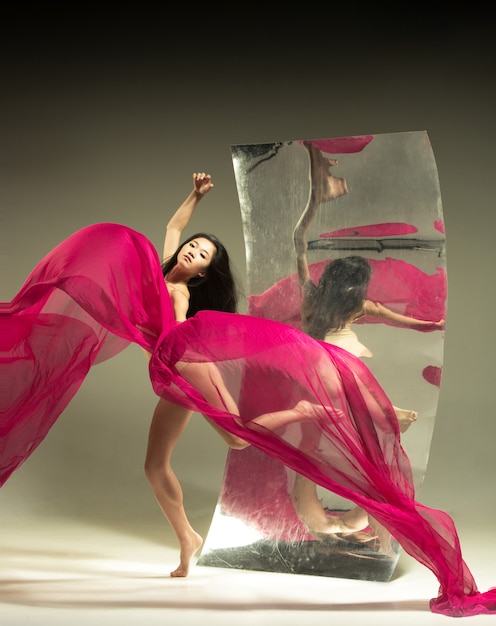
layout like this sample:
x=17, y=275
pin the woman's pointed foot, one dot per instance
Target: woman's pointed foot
x=188, y=550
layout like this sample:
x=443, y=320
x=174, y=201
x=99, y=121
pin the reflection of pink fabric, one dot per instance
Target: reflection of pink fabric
x=261, y=498
x=439, y=225
x=389, y=229
x=396, y=284
x=432, y=375
x=342, y=145
x=85, y=301
x=255, y=491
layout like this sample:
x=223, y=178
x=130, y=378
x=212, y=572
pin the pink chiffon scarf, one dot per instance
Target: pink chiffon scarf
x=102, y=289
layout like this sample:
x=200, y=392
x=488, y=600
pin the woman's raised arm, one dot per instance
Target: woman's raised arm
x=202, y=183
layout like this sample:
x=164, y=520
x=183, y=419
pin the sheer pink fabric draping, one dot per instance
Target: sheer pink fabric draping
x=102, y=288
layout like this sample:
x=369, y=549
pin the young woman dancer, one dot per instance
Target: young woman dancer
x=198, y=276
x=255, y=379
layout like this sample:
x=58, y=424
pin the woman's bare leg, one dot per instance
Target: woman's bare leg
x=207, y=378
x=384, y=538
x=168, y=423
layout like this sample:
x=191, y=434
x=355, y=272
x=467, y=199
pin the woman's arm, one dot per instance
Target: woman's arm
x=202, y=183
x=375, y=309
x=180, y=304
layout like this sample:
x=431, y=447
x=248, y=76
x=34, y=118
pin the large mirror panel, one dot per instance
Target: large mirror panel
x=351, y=226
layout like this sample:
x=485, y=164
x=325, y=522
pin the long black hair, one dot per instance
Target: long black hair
x=216, y=290
x=339, y=294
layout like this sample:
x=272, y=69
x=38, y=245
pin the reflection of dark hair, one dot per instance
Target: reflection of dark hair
x=339, y=295
x=216, y=290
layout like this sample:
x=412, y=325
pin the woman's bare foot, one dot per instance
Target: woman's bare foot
x=189, y=547
x=405, y=418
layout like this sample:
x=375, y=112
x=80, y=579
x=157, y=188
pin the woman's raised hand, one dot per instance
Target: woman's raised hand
x=202, y=182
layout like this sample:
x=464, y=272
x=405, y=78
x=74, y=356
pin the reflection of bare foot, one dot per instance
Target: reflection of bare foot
x=405, y=418
x=310, y=510
x=325, y=186
x=189, y=546
x=360, y=537
x=335, y=525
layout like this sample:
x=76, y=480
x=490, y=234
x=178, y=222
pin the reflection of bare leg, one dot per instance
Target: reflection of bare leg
x=311, y=511
x=303, y=411
x=405, y=418
x=384, y=537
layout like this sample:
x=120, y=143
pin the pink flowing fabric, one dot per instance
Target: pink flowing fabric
x=102, y=288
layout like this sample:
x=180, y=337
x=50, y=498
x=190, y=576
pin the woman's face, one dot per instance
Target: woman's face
x=196, y=255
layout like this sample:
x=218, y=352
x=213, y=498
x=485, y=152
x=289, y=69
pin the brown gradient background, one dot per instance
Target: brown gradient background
x=105, y=120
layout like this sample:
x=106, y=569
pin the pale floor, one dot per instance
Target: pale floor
x=67, y=572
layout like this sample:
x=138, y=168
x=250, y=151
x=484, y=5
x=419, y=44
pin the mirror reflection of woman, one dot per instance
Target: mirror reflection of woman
x=328, y=311
x=339, y=299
